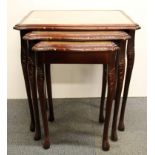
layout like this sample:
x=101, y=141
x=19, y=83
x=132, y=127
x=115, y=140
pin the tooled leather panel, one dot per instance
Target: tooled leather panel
x=75, y=46
x=77, y=35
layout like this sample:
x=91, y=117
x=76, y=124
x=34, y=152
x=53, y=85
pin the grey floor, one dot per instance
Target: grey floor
x=76, y=130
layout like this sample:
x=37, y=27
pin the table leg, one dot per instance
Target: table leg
x=130, y=63
x=49, y=91
x=120, y=78
x=104, y=82
x=110, y=97
x=45, y=90
x=26, y=79
x=32, y=77
x=41, y=91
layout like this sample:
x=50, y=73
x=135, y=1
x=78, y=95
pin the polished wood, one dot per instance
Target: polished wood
x=110, y=97
x=83, y=36
x=42, y=98
x=76, y=35
x=45, y=52
x=49, y=92
x=48, y=82
x=130, y=63
x=96, y=21
x=76, y=20
x=29, y=73
x=120, y=79
x=104, y=84
x=31, y=68
x=32, y=77
x=66, y=47
x=26, y=79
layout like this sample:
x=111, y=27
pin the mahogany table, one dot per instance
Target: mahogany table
x=79, y=21
x=98, y=52
x=119, y=37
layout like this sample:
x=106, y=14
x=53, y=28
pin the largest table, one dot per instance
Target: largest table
x=78, y=21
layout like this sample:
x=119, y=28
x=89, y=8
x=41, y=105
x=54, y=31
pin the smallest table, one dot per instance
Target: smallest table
x=75, y=53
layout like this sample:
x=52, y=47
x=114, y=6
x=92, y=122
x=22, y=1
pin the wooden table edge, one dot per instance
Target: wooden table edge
x=76, y=27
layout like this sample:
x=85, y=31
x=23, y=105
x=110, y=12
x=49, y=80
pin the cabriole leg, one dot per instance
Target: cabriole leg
x=49, y=92
x=32, y=77
x=120, y=78
x=104, y=82
x=110, y=97
x=26, y=79
x=130, y=63
x=41, y=91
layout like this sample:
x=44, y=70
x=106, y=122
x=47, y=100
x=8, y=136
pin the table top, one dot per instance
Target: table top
x=76, y=20
x=45, y=46
x=76, y=35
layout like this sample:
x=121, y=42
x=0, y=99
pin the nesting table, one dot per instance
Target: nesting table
x=78, y=22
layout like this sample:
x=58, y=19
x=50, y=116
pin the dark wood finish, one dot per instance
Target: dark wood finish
x=46, y=90
x=83, y=36
x=32, y=78
x=80, y=36
x=49, y=92
x=61, y=24
x=130, y=63
x=28, y=63
x=42, y=97
x=66, y=47
x=26, y=79
x=120, y=79
x=49, y=27
x=104, y=82
x=31, y=69
x=110, y=97
x=107, y=56
x=76, y=35
x=66, y=59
